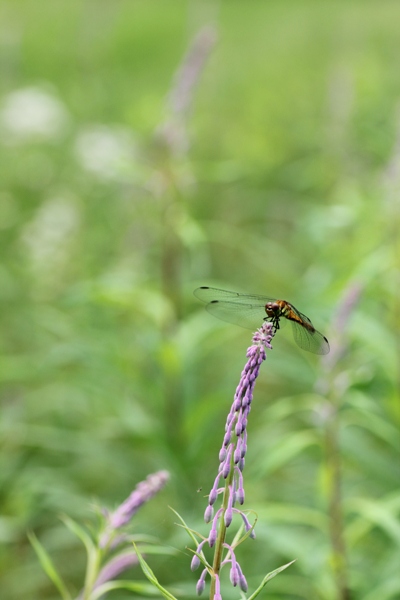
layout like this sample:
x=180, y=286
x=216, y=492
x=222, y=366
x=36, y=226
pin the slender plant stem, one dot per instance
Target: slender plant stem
x=334, y=388
x=219, y=544
x=335, y=512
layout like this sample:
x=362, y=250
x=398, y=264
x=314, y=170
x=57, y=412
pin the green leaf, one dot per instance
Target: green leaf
x=48, y=566
x=79, y=532
x=139, y=587
x=190, y=532
x=93, y=553
x=150, y=575
x=146, y=549
x=268, y=578
x=285, y=450
x=388, y=589
x=379, y=513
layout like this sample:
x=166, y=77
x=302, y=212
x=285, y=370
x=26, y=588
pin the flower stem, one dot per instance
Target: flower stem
x=219, y=544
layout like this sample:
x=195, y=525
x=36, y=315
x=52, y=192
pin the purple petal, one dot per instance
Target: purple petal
x=228, y=516
x=208, y=513
x=201, y=583
x=195, y=563
x=142, y=493
x=116, y=566
x=234, y=575
x=212, y=538
x=243, y=583
x=217, y=595
x=240, y=495
x=242, y=580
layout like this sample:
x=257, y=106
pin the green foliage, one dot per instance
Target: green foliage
x=110, y=369
x=151, y=577
x=104, y=562
x=48, y=567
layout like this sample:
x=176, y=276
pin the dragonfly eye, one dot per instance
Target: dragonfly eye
x=272, y=307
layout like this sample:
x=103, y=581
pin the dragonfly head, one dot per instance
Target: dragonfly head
x=273, y=309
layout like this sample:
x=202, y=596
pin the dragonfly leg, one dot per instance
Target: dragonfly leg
x=274, y=322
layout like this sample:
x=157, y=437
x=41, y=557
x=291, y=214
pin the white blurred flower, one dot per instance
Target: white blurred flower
x=49, y=240
x=32, y=113
x=107, y=152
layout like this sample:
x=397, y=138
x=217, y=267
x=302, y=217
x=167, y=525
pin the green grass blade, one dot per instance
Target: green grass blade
x=48, y=567
x=138, y=587
x=93, y=553
x=268, y=578
x=151, y=577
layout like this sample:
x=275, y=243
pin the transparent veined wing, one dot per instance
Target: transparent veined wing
x=208, y=294
x=249, y=316
x=309, y=339
x=245, y=310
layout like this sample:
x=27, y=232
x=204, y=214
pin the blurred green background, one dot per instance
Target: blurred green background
x=147, y=148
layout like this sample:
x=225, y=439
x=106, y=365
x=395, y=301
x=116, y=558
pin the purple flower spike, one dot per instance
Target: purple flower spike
x=235, y=447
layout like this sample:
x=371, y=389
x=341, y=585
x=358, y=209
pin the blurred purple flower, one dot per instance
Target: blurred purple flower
x=173, y=131
x=115, y=566
x=143, y=492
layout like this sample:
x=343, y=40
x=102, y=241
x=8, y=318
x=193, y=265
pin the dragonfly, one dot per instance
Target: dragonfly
x=251, y=310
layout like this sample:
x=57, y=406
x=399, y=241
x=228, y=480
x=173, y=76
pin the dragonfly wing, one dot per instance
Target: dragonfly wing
x=312, y=341
x=249, y=316
x=208, y=294
x=302, y=316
